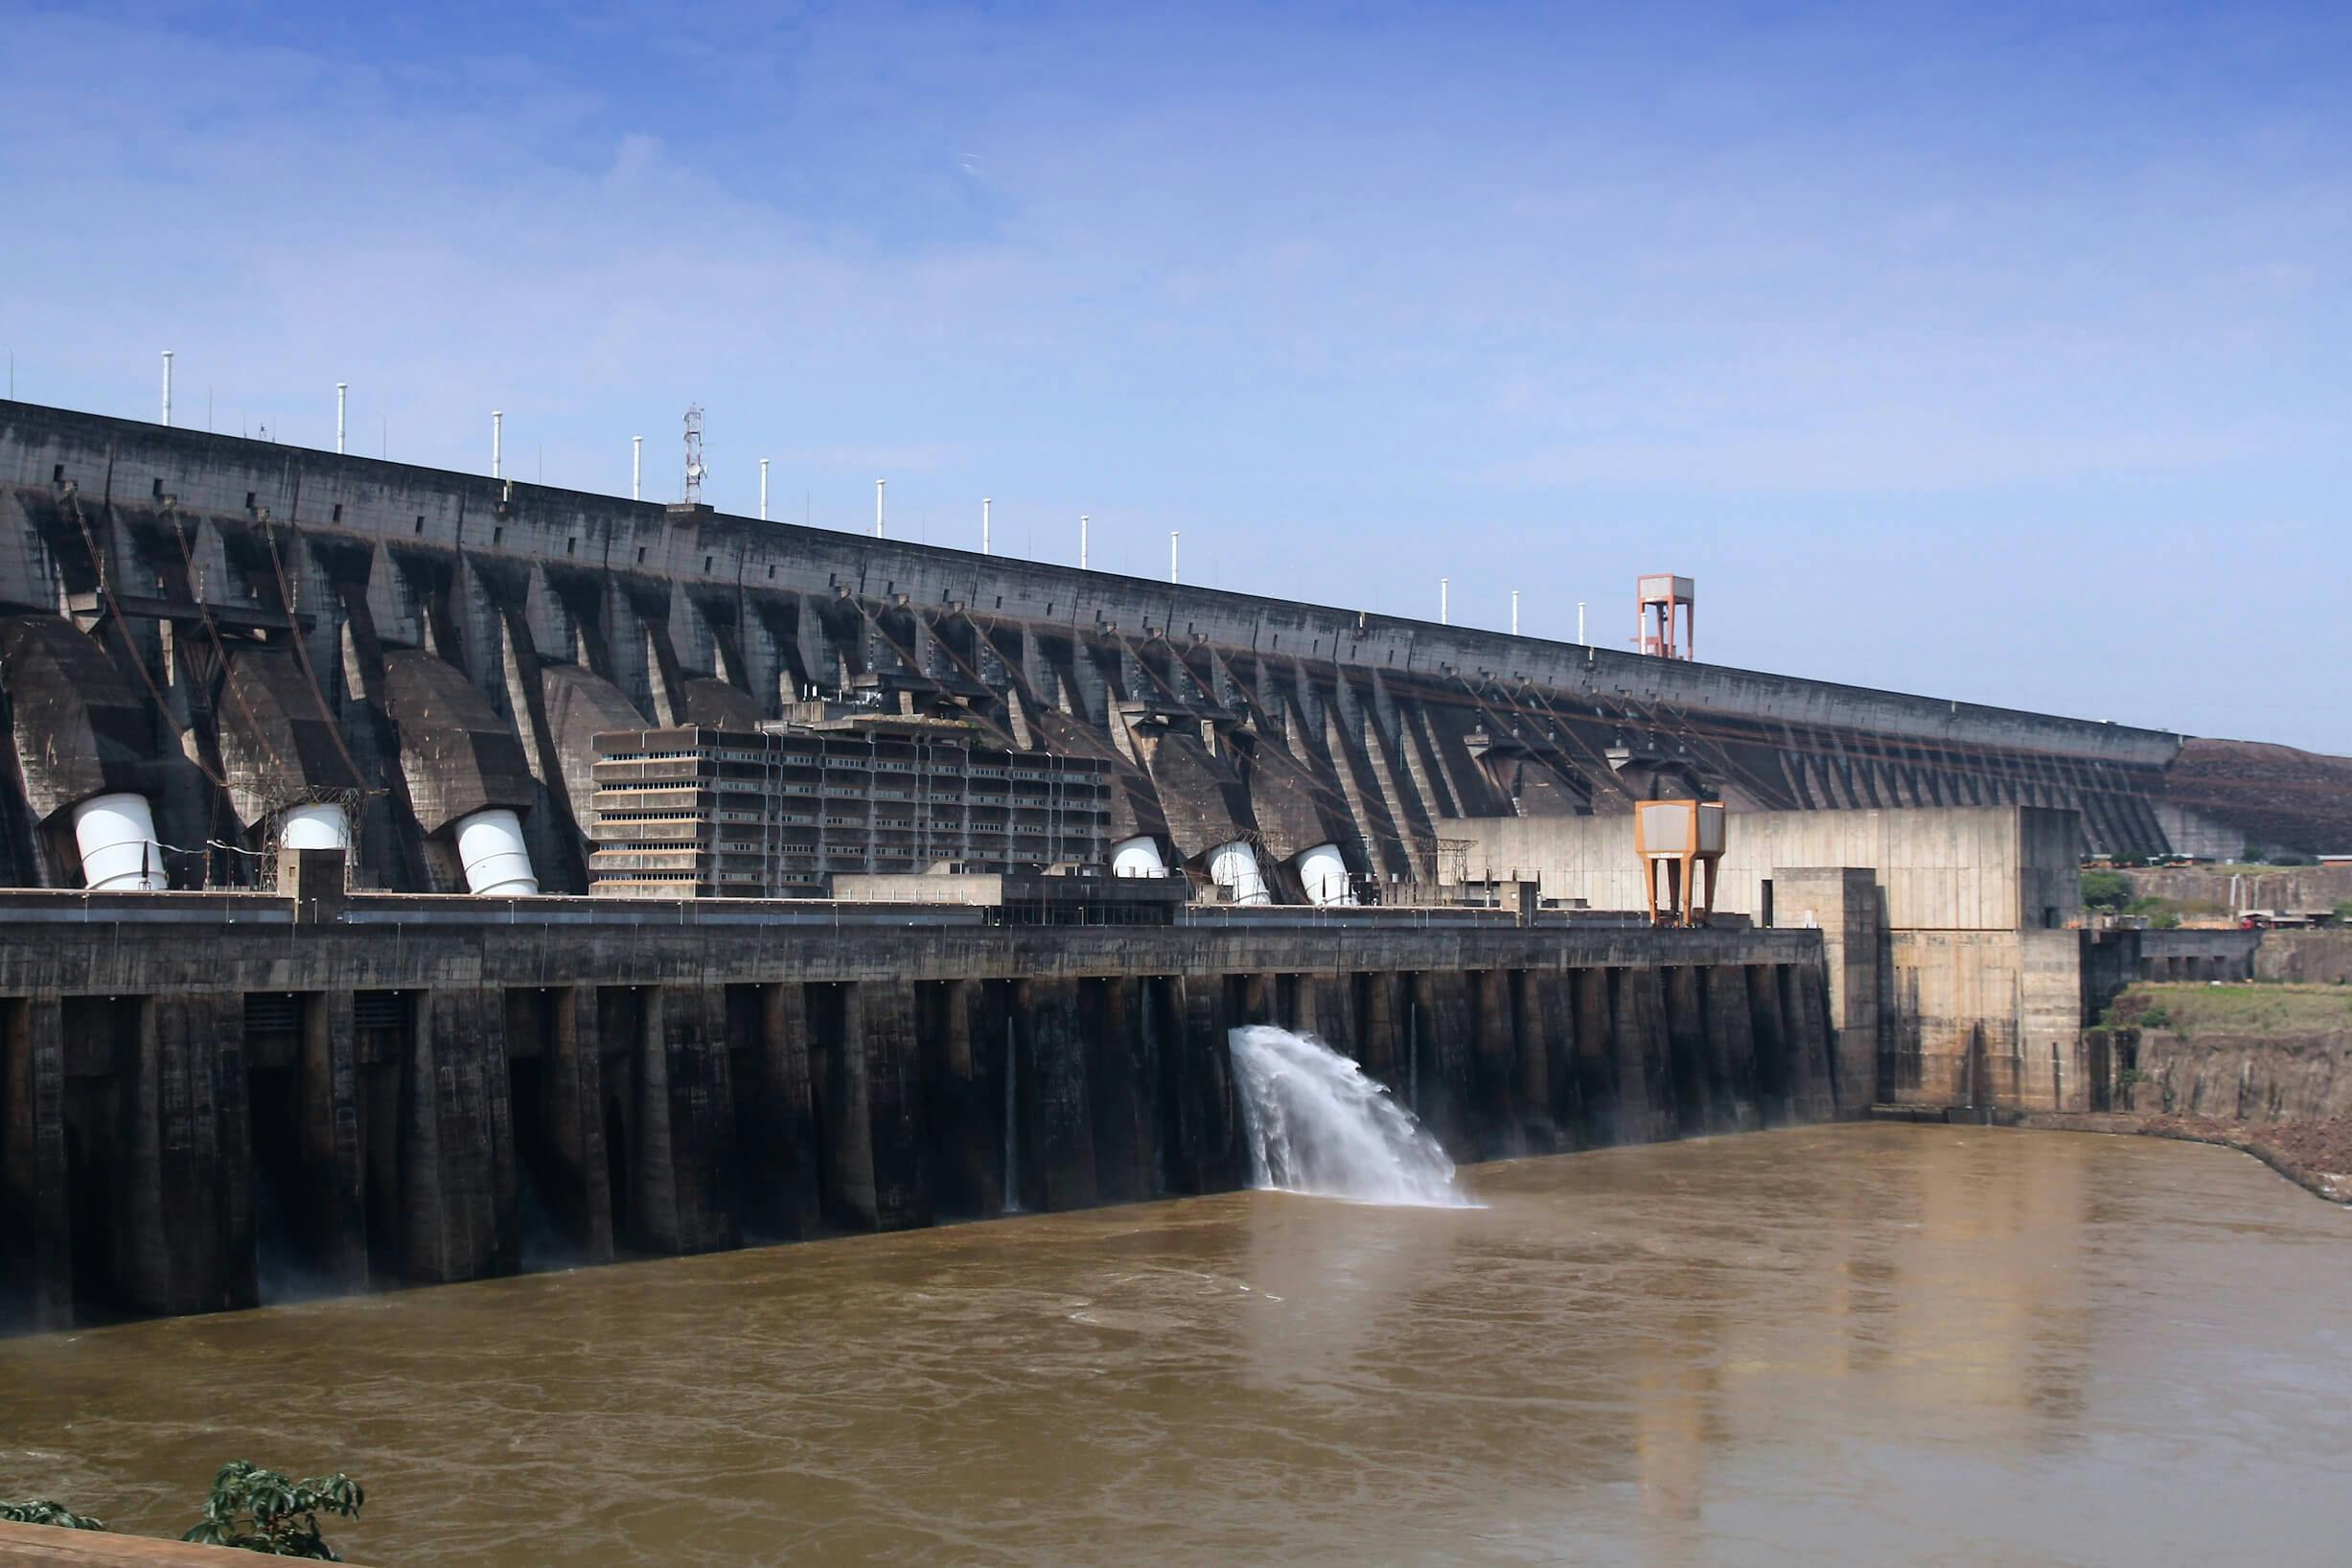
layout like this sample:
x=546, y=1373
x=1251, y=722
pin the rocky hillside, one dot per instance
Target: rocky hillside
x=2245, y=1053
x=2280, y=797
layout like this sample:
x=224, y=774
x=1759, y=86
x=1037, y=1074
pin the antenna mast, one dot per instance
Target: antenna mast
x=694, y=467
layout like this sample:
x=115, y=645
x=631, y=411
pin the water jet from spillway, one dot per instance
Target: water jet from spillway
x=1318, y=1125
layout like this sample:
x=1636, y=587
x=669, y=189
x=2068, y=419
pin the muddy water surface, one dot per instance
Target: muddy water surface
x=1851, y=1344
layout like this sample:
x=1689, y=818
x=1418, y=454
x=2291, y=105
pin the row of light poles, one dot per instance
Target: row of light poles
x=636, y=492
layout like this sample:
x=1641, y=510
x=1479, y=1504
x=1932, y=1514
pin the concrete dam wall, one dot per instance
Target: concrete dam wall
x=244, y=636
x=207, y=1098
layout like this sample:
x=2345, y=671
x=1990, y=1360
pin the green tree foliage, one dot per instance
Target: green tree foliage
x=2159, y=912
x=2343, y=911
x=251, y=1509
x=2105, y=889
x=261, y=1511
x=40, y=1510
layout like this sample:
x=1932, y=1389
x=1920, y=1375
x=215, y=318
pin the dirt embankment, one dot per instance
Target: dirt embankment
x=2316, y=1155
x=2236, y=1076
x=2233, y=1052
x=2262, y=1068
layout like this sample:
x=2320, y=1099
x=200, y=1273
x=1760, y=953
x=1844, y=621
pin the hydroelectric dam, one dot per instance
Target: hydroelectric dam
x=410, y=877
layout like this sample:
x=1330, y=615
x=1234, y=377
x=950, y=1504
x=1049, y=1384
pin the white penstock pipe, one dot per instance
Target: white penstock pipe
x=1138, y=857
x=319, y=825
x=116, y=835
x=1233, y=866
x=498, y=864
x=1323, y=872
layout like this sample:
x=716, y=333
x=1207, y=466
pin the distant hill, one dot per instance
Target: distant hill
x=2281, y=798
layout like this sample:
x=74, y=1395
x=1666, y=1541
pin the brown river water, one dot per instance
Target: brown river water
x=1841, y=1344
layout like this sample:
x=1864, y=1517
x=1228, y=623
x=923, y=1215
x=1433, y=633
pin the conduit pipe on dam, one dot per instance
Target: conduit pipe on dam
x=1323, y=872
x=1233, y=866
x=1138, y=857
x=319, y=825
x=497, y=866
x=116, y=835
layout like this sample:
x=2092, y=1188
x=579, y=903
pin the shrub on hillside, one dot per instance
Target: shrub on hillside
x=2105, y=889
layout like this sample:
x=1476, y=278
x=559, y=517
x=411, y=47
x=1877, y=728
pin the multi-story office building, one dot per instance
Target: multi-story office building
x=696, y=813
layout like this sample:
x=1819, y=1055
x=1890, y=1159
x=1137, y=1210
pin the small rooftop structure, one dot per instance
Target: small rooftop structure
x=1658, y=597
x=1677, y=840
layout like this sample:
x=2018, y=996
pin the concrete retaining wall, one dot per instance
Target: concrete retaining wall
x=1944, y=869
x=201, y=1095
x=2313, y=957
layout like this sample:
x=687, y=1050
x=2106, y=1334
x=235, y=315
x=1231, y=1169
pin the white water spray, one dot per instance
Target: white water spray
x=1413, y=1056
x=1318, y=1125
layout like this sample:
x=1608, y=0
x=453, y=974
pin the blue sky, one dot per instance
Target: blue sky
x=1996, y=352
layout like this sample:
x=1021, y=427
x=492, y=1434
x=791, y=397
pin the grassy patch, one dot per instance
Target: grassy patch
x=2235, y=1009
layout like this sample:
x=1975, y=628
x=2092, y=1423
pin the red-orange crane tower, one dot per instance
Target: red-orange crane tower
x=1654, y=632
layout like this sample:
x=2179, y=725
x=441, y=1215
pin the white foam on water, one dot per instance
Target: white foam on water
x=1318, y=1125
